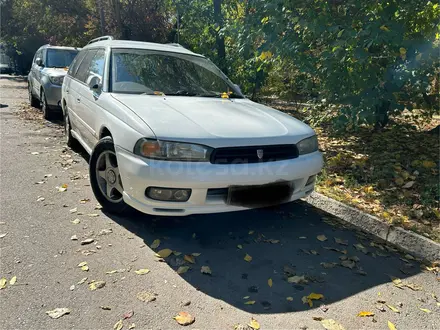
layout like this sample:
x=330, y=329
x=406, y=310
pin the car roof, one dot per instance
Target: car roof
x=61, y=47
x=173, y=48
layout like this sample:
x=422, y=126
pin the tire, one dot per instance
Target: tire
x=33, y=101
x=105, y=178
x=71, y=142
x=47, y=114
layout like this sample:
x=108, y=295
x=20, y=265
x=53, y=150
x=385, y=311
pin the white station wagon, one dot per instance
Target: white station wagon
x=170, y=134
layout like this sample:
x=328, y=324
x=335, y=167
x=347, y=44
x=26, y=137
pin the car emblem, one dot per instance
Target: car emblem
x=260, y=153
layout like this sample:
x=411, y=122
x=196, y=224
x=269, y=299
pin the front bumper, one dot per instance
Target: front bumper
x=53, y=95
x=138, y=173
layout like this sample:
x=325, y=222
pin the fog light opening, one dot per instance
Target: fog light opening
x=168, y=194
x=311, y=180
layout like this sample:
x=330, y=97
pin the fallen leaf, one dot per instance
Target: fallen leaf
x=182, y=269
x=105, y=231
x=324, y=308
x=321, y=238
x=239, y=246
x=196, y=254
x=155, y=244
x=13, y=280
x=118, y=325
x=250, y=302
x=205, y=270
x=391, y=326
x=146, y=296
x=93, y=215
x=165, y=253
x=251, y=232
x=84, y=263
x=254, y=324
x=272, y=241
x=85, y=268
x=361, y=248
x=364, y=314
x=74, y=238
x=289, y=298
x=341, y=241
x=58, y=312
x=131, y=326
x=246, y=297
x=82, y=280
x=247, y=258
x=96, y=285
x=40, y=199
x=309, y=299
x=425, y=310
x=176, y=253
x=302, y=237
x=348, y=264
x=72, y=287
x=189, y=258
x=297, y=279
x=184, y=318
x=413, y=286
x=35, y=153
x=408, y=185
x=106, y=308
x=76, y=221
x=127, y=315
x=315, y=253
x=331, y=324
x=87, y=241
x=3, y=235
x=394, y=309
x=328, y=265
x=270, y=282
x=3, y=282
x=142, y=271
x=74, y=210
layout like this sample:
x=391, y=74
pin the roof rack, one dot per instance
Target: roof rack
x=175, y=44
x=100, y=39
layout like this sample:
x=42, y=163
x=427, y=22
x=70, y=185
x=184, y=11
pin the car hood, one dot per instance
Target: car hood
x=207, y=120
x=55, y=71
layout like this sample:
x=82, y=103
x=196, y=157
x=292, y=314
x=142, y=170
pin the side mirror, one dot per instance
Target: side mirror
x=95, y=84
x=39, y=61
x=238, y=87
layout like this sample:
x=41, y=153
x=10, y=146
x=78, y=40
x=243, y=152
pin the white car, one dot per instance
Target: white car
x=170, y=134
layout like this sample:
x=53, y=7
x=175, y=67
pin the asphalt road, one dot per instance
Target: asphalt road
x=37, y=248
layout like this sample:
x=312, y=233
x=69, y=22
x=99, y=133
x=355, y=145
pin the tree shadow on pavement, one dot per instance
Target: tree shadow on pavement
x=282, y=242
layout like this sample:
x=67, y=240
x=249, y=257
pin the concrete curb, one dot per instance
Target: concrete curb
x=415, y=244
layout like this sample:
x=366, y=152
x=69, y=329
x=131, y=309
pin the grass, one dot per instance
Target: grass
x=392, y=174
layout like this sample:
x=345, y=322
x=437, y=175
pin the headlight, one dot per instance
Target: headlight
x=176, y=151
x=308, y=145
x=58, y=80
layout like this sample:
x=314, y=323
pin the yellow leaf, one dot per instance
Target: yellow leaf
x=3, y=282
x=196, y=254
x=313, y=296
x=177, y=253
x=182, y=269
x=428, y=164
x=246, y=297
x=425, y=310
x=250, y=302
x=240, y=246
x=251, y=232
x=206, y=270
x=165, y=253
x=85, y=268
x=184, y=318
x=391, y=326
x=384, y=28
x=81, y=264
x=254, y=324
x=248, y=258
x=155, y=244
x=142, y=271
x=321, y=238
x=270, y=282
x=131, y=326
x=364, y=314
x=331, y=324
x=224, y=95
x=189, y=258
x=82, y=280
x=394, y=309
x=96, y=285
x=289, y=298
x=118, y=325
x=13, y=280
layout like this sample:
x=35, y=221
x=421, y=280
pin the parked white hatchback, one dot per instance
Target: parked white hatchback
x=170, y=134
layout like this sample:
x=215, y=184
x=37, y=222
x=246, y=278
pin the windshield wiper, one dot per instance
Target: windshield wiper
x=219, y=95
x=183, y=93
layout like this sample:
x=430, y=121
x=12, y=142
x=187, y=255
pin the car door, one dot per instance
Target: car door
x=36, y=73
x=70, y=94
x=91, y=98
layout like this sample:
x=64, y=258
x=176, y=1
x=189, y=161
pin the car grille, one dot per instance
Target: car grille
x=246, y=155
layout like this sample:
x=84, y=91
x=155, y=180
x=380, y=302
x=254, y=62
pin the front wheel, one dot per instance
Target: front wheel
x=71, y=142
x=32, y=99
x=105, y=178
x=47, y=114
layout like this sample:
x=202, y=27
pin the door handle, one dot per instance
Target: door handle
x=67, y=91
x=78, y=100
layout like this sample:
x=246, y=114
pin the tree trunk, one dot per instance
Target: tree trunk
x=381, y=115
x=117, y=13
x=101, y=16
x=220, y=41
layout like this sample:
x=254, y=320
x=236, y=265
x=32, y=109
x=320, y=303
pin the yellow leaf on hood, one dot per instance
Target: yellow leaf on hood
x=331, y=324
x=250, y=302
x=206, y=270
x=189, y=258
x=182, y=269
x=321, y=238
x=394, y=309
x=391, y=326
x=118, y=325
x=13, y=280
x=165, y=253
x=425, y=310
x=142, y=271
x=248, y=258
x=184, y=318
x=155, y=244
x=254, y=324
x=364, y=314
x=3, y=282
x=270, y=282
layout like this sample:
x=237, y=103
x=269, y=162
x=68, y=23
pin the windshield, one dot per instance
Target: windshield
x=140, y=71
x=60, y=58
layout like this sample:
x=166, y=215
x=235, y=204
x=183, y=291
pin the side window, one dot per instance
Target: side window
x=83, y=70
x=76, y=62
x=96, y=68
x=38, y=54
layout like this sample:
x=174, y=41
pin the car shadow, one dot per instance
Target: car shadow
x=283, y=242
